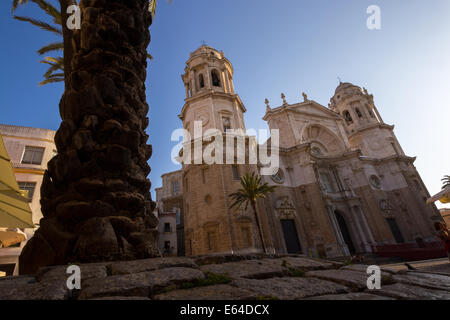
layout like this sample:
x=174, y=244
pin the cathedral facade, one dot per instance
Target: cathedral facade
x=344, y=184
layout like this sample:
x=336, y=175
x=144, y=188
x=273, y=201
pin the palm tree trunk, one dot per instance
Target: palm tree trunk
x=95, y=195
x=67, y=38
x=253, y=204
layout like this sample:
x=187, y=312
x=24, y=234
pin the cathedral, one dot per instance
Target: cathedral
x=344, y=184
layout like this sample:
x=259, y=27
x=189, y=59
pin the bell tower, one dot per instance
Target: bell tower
x=210, y=225
x=210, y=96
x=365, y=128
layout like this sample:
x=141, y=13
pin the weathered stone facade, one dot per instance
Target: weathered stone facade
x=169, y=200
x=344, y=183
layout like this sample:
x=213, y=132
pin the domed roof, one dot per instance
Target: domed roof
x=345, y=85
x=205, y=49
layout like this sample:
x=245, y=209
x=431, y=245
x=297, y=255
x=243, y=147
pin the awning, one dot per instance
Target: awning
x=10, y=238
x=443, y=196
x=15, y=211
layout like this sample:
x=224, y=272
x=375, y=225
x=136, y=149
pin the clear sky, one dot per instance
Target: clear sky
x=278, y=46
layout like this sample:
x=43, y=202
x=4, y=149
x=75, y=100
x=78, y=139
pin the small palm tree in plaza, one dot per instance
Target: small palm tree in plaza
x=446, y=182
x=252, y=189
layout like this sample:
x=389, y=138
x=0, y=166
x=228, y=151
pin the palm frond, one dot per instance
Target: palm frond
x=16, y=3
x=41, y=24
x=56, y=46
x=52, y=80
x=251, y=190
x=50, y=10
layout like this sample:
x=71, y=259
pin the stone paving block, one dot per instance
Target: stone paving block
x=408, y=292
x=425, y=280
x=88, y=271
x=363, y=268
x=253, y=269
x=350, y=296
x=354, y=279
x=443, y=269
x=290, y=288
x=216, y=292
x=50, y=290
x=303, y=263
x=137, y=266
x=160, y=279
x=16, y=280
x=136, y=284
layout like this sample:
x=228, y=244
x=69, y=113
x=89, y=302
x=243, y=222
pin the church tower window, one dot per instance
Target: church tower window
x=201, y=80
x=226, y=124
x=235, y=170
x=325, y=179
x=348, y=117
x=370, y=111
x=215, y=78
x=358, y=112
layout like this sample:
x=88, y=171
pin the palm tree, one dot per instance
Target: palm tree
x=251, y=190
x=55, y=72
x=95, y=195
x=446, y=182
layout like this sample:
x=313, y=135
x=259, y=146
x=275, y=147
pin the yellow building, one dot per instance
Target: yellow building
x=15, y=213
x=445, y=213
x=29, y=150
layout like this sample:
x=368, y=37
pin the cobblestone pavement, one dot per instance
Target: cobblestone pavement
x=439, y=266
x=227, y=277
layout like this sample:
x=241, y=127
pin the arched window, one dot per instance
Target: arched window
x=358, y=112
x=348, y=117
x=215, y=78
x=226, y=123
x=370, y=111
x=201, y=80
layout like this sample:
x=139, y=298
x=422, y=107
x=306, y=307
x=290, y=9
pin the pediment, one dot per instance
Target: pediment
x=314, y=109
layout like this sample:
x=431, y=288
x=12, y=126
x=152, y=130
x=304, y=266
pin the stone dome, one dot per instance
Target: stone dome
x=204, y=49
x=344, y=86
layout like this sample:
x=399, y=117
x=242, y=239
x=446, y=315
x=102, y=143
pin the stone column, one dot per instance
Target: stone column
x=226, y=89
x=356, y=218
x=337, y=231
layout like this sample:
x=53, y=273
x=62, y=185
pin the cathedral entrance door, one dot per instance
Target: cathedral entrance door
x=395, y=230
x=291, y=236
x=345, y=232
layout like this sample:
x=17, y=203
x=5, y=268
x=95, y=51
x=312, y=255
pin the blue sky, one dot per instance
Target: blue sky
x=286, y=46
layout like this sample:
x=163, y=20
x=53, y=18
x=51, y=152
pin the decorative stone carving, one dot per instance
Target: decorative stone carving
x=375, y=181
x=283, y=97
x=386, y=207
x=278, y=177
x=267, y=105
x=285, y=208
x=305, y=97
